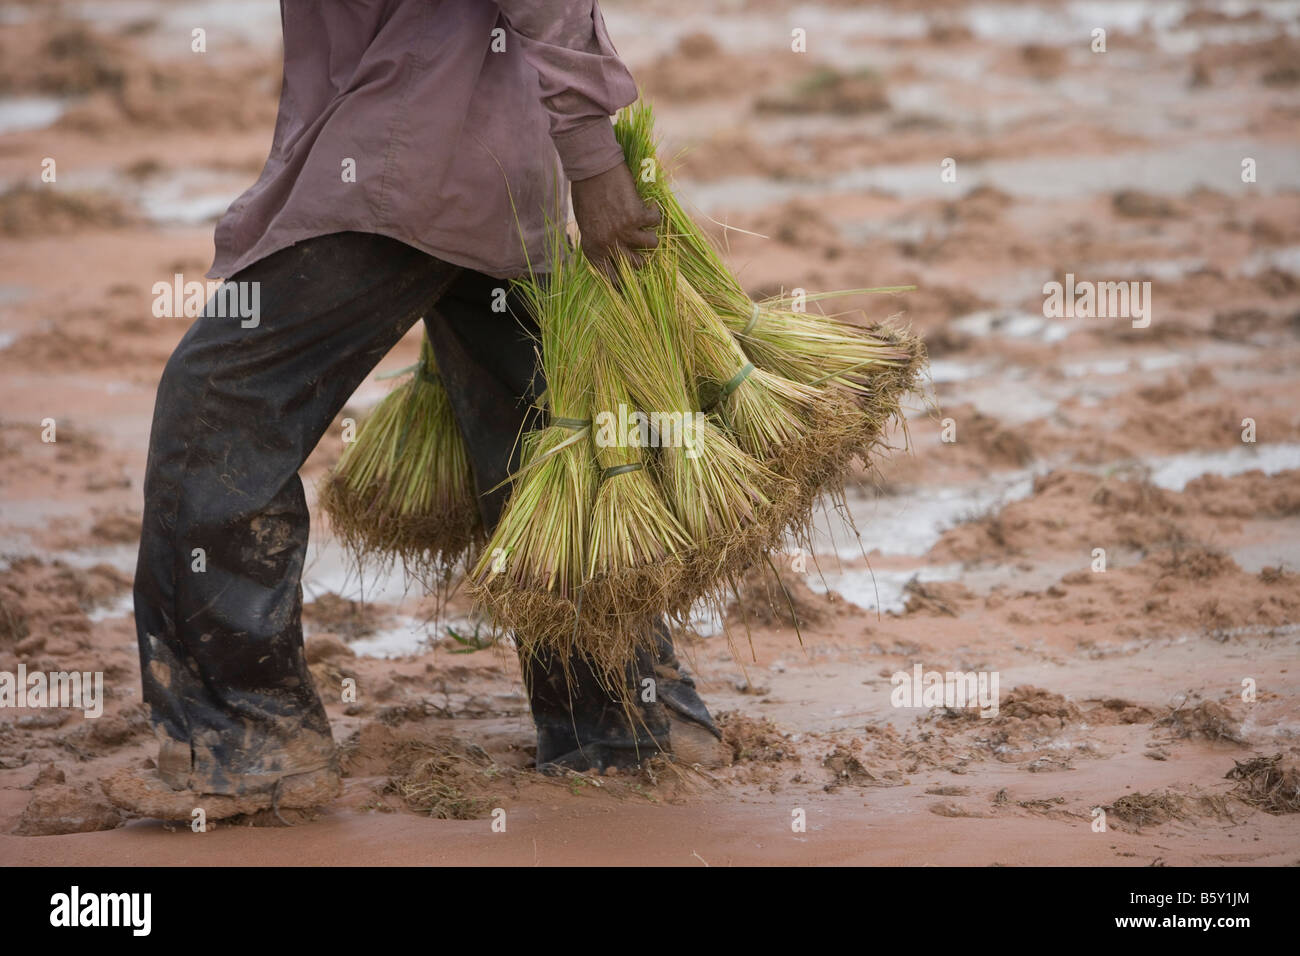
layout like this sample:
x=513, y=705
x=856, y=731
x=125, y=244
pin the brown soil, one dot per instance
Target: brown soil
x=1163, y=690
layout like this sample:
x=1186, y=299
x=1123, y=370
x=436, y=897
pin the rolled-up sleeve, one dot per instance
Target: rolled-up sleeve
x=583, y=81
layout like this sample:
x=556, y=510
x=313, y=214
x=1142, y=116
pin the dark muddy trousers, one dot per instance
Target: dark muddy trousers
x=218, y=597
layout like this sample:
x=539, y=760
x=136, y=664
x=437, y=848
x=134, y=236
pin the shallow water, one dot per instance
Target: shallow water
x=19, y=113
x=1175, y=471
x=911, y=523
x=881, y=590
x=1170, y=171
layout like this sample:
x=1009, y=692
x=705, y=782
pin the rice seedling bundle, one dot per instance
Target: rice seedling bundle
x=801, y=346
x=723, y=497
x=838, y=359
x=532, y=567
x=404, y=489
x=631, y=503
x=688, y=429
x=636, y=544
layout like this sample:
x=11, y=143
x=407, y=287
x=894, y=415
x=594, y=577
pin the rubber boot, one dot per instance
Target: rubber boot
x=582, y=726
x=675, y=687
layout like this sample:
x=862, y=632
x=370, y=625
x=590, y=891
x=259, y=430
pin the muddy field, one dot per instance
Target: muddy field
x=1102, y=512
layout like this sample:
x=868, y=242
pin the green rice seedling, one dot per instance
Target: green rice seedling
x=767, y=413
x=636, y=544
x=809, y=349
x=531, y=571
x=813, y=349
x=723, y=497
x=854, y=369
x=404, y=488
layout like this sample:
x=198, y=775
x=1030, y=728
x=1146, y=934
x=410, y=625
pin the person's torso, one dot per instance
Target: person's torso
x=418, y=119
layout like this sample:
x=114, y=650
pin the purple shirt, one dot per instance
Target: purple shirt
x=463, y=119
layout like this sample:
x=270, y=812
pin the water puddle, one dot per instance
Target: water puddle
x=911, y=523
x=330, y=569
x=406, y=637
x=1015, y=325
x=1176, y=471
x=1106, y=367
x=880, y=590
x=119, y=607
x=249, y=22
x=1172, y=171
x=21, y=113
x=1286, y=259
x=189, y=197
x=947, y=371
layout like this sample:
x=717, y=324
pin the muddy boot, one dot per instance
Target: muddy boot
x=143, y=792
x=693, y=736
x=581, y=726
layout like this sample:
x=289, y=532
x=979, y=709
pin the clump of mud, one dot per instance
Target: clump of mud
x=39, y=600
x=754, y=739
x=61, y=808
x=1116, y=710
x=1271, y=784
x=1195, y=561
x=1142, y=205
x=116, y=84
x=1032, y=703
x=61, y=59
x=1157, y=807
x=848, y=770
x=1041, y=61
x=827, y=90
x=943, y=598
x=1146, y=809
x=699, y=68
x=13, y=622
x=762, y=599
x=1208, y=720
x=116, y=528
x=1032, y=723
x=999, y=446
x=350, y=620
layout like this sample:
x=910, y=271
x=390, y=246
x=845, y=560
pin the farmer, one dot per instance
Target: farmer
x=421, y=149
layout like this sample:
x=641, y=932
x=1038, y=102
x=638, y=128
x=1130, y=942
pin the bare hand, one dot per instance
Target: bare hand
x=612, y=219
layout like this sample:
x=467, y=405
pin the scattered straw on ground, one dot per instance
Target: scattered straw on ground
x=1208, y=719
x=1271, y=784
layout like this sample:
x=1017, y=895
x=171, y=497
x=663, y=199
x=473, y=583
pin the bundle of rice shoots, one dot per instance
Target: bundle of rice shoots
x=599, y=536
x=532, y=567
x=404, y=489
x=805, y=348
x=636, y=544
x=722, y=496
x=766, y=412
x=815, y=349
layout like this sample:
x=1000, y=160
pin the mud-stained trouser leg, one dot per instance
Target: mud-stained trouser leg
x=218, y=596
